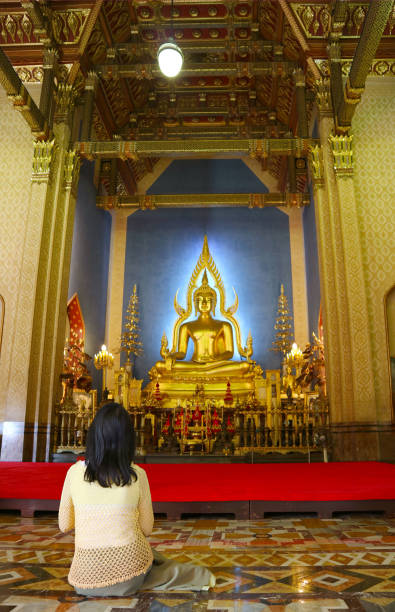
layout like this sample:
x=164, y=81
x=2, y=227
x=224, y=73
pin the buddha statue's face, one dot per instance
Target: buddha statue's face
x=204, y=303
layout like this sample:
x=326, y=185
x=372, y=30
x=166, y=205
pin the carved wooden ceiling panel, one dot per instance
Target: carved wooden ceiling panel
x=239, y=61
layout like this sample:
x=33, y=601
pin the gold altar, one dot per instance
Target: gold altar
x=213, y=404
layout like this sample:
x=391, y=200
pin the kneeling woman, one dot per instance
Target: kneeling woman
x=107, y=500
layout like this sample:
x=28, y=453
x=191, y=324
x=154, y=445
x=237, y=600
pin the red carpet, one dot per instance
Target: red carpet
x=223, y=482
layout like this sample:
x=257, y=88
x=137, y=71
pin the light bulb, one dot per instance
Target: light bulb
x=170, y=59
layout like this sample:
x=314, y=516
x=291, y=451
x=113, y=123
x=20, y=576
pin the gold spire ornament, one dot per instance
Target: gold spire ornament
x=130, y=339
x=283, y=338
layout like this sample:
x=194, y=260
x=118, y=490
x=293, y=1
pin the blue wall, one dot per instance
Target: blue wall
x=250, y=248
x=207, y=176
x=89, y=264
x=312, y=271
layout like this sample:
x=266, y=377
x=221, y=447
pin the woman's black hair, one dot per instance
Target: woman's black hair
x=110, y=446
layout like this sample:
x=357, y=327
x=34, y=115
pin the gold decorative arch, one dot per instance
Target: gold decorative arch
x=206, y=261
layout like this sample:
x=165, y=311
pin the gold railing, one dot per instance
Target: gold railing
x=73, y=418
x=293, y=426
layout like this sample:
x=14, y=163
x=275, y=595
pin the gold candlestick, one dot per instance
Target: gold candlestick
x=104, y=360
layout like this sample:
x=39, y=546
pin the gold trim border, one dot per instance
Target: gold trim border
x=203, y=200
x=134, y=149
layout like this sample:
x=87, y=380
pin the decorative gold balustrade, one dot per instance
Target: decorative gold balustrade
x=297, y=425
x=73, y=417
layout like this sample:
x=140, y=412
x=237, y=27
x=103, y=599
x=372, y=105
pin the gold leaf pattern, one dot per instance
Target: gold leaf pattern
x=374, y=146
x=16, y=258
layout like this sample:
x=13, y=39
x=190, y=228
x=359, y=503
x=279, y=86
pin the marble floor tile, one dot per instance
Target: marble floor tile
x=288, y=564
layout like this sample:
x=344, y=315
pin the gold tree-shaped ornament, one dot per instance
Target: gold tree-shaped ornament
x=283, y=326
x=130, y=339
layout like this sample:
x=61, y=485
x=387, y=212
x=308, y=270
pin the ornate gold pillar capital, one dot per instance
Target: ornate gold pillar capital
x=65, y=98
x=91, y=81
x=334, y=51
x=71, y=170
x=341, y=146
x=317, y=166
x=323, y=97
x=50, y=57
x=299, y=77
x=43, y=152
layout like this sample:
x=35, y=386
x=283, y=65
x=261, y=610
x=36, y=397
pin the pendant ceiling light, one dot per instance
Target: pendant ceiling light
x=170, y=57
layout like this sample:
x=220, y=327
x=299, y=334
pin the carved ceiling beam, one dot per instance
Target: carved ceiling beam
x=278, y=52
x=202, y=46
x=373, y=28
x=83, y=43
x=188, y=108
x=338, y=21
x=192, y=148
x=127, y=176
x=105, y=113
x=203, y=131
x=180, y=26
x=21, y=98
x=104, y=109
x=238, y=69
x=300, y=38
x=204, y=200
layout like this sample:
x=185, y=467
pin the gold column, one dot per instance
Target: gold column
x=361, y=362
x=333, y=291
x=90, y=88
x=354, y=420
x=329, y=312
x=46, y=97
x=57, y=193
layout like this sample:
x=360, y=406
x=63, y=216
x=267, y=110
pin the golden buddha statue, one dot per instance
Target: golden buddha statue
x=212, y=340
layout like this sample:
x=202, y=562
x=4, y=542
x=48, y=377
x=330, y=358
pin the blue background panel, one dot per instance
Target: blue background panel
x=89, y=264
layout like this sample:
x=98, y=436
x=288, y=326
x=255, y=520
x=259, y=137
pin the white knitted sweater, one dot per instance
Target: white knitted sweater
x=110, y=528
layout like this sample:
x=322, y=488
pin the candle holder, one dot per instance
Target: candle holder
x=294, y=358
x=104, y=360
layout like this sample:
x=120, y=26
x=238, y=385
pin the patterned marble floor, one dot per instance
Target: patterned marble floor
x=286, y=564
